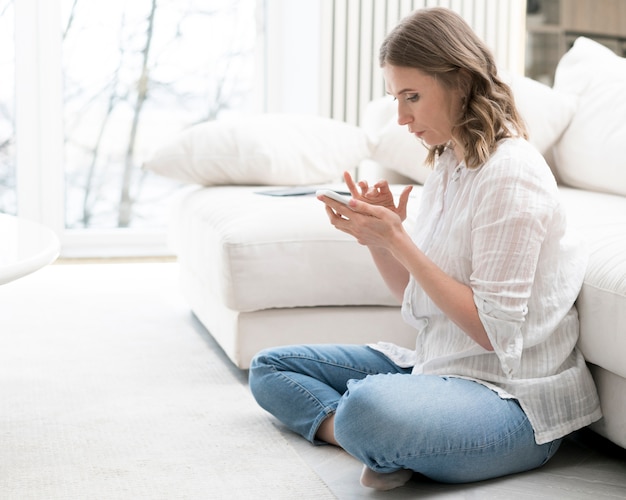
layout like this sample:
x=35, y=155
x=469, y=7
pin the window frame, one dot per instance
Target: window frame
x=38, y=111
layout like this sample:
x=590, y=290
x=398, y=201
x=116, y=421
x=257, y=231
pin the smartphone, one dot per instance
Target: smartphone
x=333, y=194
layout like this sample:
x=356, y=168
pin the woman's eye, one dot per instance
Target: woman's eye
x=412, y=97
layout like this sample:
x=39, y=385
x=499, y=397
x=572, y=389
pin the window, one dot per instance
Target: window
x=134, y=74
x=98, y=86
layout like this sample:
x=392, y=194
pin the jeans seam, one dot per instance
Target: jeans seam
x=364, y=371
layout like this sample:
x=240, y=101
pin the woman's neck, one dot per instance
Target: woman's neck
x=457, y=150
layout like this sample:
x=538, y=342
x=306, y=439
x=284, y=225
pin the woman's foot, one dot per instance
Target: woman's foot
x=384, y=482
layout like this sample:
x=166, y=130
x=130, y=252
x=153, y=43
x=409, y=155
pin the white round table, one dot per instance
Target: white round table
x=25, y=246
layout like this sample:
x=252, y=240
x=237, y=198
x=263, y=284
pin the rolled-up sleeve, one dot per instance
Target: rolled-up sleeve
x=505, y=333
x=511, y=215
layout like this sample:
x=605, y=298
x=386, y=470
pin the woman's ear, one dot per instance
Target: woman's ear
x=464, y=82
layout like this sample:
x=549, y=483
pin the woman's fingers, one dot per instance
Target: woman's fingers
x=403, y=201
x=352, y=187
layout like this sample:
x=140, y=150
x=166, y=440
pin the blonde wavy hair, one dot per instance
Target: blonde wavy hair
x=438, y=42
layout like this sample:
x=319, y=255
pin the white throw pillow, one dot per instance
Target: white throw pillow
x=590, y=153
x=266, y=149
x=546, y=112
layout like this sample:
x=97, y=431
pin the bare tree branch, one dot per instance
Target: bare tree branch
x=126, y=200
x=70, y=19
x=95, y=153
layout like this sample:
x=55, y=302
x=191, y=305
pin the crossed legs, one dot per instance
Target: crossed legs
x=447, y=428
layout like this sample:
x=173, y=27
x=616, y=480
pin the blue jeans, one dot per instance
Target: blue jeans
x=448, y=429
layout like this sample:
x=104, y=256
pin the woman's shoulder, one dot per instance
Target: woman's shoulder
x=517, y=148
x=519, y=158
x=517, y=162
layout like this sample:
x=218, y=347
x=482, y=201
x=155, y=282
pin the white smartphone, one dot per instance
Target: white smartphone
x=334, y=195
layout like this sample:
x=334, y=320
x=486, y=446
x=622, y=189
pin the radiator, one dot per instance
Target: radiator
x=354, y=29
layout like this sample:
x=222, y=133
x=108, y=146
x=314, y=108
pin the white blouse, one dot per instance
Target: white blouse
x=501, y=230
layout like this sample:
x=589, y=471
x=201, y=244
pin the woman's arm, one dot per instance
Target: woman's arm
x=374, y=220
x=395, y=275
x=455, y=299
x=381, y=230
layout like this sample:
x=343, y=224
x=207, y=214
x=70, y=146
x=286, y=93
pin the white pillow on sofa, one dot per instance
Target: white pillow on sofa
x=266, y=149
x=546, y=112
x=590, y=153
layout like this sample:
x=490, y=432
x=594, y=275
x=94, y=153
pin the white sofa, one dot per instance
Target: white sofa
x=261, y=270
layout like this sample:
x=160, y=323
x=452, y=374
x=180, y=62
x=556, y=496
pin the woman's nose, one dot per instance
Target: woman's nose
x=404, y=117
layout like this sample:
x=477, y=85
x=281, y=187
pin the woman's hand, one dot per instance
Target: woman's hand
x=370, y=225
x=371, y=216
x=379, y=194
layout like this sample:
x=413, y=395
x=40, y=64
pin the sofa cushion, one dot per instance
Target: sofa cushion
x=258, y=252
x=266, y=149
x=601, y=220
x=546, y=111
x=589, y=155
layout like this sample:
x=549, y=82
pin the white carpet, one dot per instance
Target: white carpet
x=110, y=389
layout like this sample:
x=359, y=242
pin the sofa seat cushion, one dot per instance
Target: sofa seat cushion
x=258, y=252
x=601, y=219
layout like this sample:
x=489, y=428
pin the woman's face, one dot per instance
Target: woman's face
x=426, y=107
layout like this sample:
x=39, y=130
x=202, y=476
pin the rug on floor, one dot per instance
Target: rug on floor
x=110, y=390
